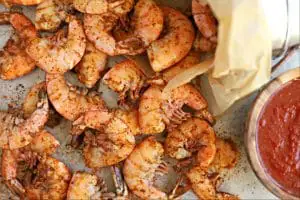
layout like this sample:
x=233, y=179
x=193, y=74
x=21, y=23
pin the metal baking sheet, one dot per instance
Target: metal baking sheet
x=241, y=180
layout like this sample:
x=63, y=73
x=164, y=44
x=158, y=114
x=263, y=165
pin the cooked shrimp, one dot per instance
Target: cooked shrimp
x=43, y=144
x=156, y=112
x=84, y=186
x=16, y=132
x=203, y=44
x=31, y=101
x=204, y=185
x=50, y=181
x=193, y=136
x=145, y=27
x=91, y=67
x=205, y=20
x=58, y=54
x=226, y=155
x=140, y=167
x=9, y=3
x=125, y=77
x=87, y=186
x=68, y=101
x=190, y=60
x=174, y=44
x=51, y=13
x=117, y=7
x=114, y=141
x=14, y=61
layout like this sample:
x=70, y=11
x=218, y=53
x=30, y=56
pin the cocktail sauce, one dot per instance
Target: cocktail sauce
x=278, y=137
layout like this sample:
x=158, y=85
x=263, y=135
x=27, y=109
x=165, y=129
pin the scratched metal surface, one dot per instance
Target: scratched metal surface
x=240, y=181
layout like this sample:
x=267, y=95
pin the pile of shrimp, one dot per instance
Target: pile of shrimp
x=108, y=137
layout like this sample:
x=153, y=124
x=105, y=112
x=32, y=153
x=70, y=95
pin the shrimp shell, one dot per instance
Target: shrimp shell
x=16, y=133
x=91, y=67
x=14, y=61
x=57, y=54
x=175, y=42
x=71, y=104
x=114, y=143
x=157, y=112
x=83, y=186
x=50, y=14
x=194, y=135
x=51, y=180
x=125, y=77
x=139, y=169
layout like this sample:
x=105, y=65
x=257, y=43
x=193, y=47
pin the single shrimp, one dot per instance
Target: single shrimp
x=58, y=54
x=69, y=101
x=157, y=112
x=140, y=168
x=14, y=61
x=43, y=144
x=203, y=44
x=165, y=76
x=193, y=136
x=125, y=78
x=85, y=186
x=16, y=132
x=31, y=101
x=88, y=186
x=91, y=67
x=9, y=3
x=227, y=155
x=205, y=20
x=51, y=13
x=117, y=7
x=175, y=43
x=114, y=140
x=205, y=179
x=145, y=27
x=204, y=185
x=50, y=181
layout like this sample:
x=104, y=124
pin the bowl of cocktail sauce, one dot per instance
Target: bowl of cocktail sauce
x=272, y=136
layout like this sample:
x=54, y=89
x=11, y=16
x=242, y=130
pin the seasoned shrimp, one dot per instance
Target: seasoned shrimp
x=204, y=179
x=114, y=140
x=43, y=144
x=31, y=101
x=58, y=54
x=205, y=20
x=91, y=67
x=190, y=60
x=9, y=3
x=140, y=167
x=193, y=136
x=125, y=77
x=204, y=185
x=226, y=155
x=175, y=43
x=203, y=44
x=87, y=186
x=84, y=186
x=157, y=112
x=68, y=101
x=51, y=13
x=14, y=61
x=50, y=181
x=117, y=7
x=16, y=132
x=145, y=27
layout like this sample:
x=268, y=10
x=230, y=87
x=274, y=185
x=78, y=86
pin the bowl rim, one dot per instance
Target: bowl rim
x=251, y=133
